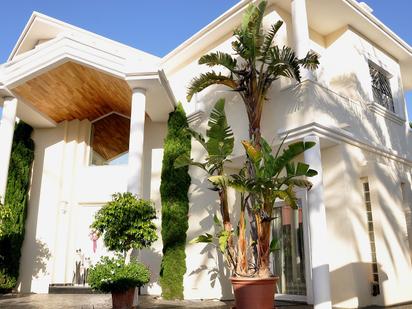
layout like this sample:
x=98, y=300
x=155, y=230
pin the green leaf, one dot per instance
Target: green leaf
x=220, y=141
x=219, y=58
x=254, y=154
x=197, y=136
x=274, y=245
x=208, y=79
x=206, y=238
x=311, y=173
x=217, y=221
x=301, y=169
x=223, y=238
x=220, y=180
x=268, y=40
x=301, y=183
x=184, y=160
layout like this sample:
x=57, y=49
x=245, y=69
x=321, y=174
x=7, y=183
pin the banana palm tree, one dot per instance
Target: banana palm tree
x=219, y=147
x=256, y=64
x=276, y=177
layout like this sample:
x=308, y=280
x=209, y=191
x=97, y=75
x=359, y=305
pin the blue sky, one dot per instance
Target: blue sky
x=157, y=26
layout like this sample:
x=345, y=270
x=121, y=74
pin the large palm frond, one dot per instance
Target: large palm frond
x=268, y=40
x=311, y=61
x=220, y=136
x=283, y=62
x=219, y=58
x=207, y=79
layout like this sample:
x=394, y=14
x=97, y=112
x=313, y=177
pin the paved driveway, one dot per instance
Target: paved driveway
x=103, y=301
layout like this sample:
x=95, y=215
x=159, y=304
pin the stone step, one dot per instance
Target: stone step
x=70, y=289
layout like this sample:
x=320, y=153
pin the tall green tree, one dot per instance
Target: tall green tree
x=13, y=213
x=256, y=64
x=174, y=188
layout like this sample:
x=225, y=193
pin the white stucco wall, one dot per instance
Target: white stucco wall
x=348, y=246
x=65, y=194
x=339, y=99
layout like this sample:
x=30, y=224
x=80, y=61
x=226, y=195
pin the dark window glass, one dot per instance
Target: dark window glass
x=382, y=93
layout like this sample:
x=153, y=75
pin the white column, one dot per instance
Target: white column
x=300, y=29
x=8, y=120
x=317, y=229
x=135, y=179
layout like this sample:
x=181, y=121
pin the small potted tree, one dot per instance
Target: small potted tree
x=126, y=223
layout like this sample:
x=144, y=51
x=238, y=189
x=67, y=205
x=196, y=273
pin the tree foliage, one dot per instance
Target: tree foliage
x=257, y=62
x=174, y=187
x=126, y=222
x=13, y=213
x=114, y=275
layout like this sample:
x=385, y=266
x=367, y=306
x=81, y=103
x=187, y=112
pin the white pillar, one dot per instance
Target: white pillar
x=317, y=229
x=300, y=29
x=8, y=120
x=135, y=179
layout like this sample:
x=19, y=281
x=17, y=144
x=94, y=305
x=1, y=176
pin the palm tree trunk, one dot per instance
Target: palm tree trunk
x=242, y=265
x=264, y=240
x=254, y=117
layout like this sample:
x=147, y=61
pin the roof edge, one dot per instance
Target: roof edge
x=353, y=4
x=37, y=15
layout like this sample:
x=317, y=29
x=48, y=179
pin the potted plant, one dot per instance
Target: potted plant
x=126, y=223
x=257, y=63
x=275, y=177
x=113, y=275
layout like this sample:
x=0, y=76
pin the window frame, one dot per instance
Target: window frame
x=381, y=87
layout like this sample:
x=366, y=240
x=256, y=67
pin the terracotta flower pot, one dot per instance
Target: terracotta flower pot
x=123, y=300
x=254, y=292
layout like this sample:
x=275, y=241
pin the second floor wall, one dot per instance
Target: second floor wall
x=340, y=96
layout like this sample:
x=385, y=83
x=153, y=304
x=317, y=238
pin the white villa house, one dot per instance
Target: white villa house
x=99, y=110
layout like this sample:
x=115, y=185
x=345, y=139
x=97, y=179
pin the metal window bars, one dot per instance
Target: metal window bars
x=381, y=87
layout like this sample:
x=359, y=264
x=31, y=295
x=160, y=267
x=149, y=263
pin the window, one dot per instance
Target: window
x=381, y=87
x=375, y=288
x=110, y=140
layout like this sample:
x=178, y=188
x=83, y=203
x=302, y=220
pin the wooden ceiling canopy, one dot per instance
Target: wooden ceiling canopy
x=111, y=136
x=73, y=91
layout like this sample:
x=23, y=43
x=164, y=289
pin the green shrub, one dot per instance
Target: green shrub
x=13, y=213
x=175, y=205
x=126, y=222
x=113, y=275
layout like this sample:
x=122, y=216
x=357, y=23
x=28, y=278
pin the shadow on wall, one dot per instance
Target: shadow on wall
x=347, y=220
x=351, y=269
x=220, y=273
x=152, y=259
x=204, y=205
x=41, y=255
x=344, y=108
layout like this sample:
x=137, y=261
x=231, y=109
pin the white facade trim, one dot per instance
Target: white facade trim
x=382, y=111
x=339, y=135
x=8, y=120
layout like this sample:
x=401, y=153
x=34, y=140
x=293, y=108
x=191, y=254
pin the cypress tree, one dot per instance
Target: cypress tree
x=175, y=205
x=13, y=213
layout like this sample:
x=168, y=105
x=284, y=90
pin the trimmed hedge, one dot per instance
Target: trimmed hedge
x=175, y=205
x=13, y=213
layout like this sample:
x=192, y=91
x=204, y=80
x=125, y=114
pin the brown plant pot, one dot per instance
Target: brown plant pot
x=252, y=293
x=123, y=300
